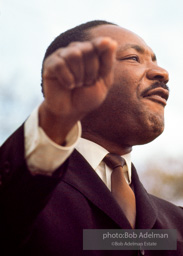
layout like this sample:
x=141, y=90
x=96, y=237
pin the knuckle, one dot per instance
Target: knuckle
x=90, y=50
x=59, y=63
x=76, y=54
x=89, y=46
x=73, y=54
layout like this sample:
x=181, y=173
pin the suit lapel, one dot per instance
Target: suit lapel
x=146, y=210
x=81, y=176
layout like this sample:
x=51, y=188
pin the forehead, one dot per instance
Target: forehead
x=122, y=36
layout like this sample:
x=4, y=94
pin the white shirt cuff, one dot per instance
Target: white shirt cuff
x=43, y=156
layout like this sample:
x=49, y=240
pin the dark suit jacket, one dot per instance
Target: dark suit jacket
x=45, y=216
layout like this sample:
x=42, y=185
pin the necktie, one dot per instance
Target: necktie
x=121, y=191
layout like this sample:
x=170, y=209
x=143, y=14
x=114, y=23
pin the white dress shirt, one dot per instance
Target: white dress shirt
x=43, y=156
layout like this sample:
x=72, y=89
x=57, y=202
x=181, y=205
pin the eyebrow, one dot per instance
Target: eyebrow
x=137, y=48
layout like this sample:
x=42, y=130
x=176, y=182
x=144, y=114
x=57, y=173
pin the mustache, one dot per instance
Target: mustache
x=154, y=86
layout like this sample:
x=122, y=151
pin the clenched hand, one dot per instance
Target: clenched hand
x=76, y=80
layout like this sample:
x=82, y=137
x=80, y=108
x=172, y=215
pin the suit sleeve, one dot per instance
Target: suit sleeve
x=22, y=195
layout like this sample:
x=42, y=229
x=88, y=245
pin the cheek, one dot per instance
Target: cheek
x=124, y=93
x=126, y=81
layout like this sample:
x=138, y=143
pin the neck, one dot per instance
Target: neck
x=110, y=146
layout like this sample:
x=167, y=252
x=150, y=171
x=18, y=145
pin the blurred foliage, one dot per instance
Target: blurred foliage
x=164, y=179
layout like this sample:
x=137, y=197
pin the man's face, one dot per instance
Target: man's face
x=133, y=112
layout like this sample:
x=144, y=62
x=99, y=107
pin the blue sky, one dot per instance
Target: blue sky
x=27, y=28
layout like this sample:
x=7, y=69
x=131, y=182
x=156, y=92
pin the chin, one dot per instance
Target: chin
x=156, y=123
x=152, y=136
x=150, y=130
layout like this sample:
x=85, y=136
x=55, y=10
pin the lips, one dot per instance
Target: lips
x=158, y=95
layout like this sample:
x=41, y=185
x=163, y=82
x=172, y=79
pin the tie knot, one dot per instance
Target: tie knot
x=114, y=160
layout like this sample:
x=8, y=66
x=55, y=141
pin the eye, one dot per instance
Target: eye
x=134, y=58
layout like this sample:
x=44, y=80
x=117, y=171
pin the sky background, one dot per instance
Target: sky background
x=28, y=27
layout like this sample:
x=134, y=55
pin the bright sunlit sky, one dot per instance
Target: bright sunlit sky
x=28, y=27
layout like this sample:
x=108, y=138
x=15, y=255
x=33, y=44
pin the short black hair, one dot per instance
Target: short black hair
x=78, y=33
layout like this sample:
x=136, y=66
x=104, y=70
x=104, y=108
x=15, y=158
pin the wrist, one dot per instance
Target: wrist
x=56, y=126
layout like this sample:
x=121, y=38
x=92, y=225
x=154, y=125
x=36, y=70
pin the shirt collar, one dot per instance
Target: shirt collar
x=94, y=154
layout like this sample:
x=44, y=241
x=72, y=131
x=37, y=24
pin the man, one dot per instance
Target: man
x=55, y=184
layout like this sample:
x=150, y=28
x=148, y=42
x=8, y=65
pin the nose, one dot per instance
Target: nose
x=158, y=73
